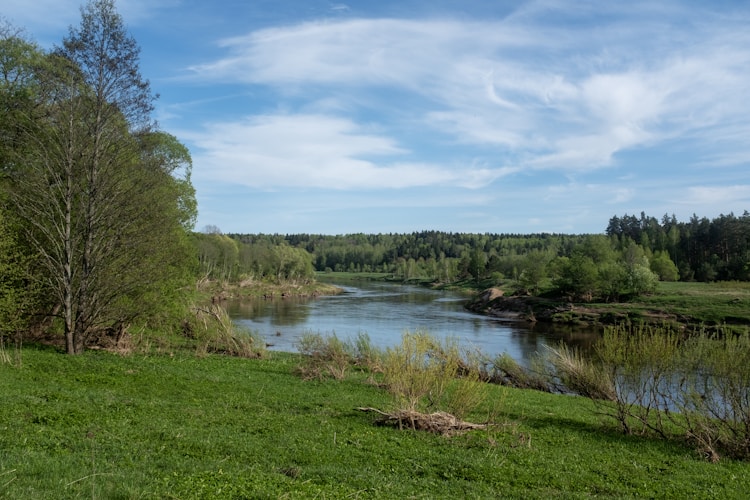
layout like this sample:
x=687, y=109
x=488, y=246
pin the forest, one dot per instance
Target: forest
x=628, y=258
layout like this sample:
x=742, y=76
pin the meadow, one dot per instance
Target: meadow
x=177, y=425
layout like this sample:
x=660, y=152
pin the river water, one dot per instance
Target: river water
x=384, y=311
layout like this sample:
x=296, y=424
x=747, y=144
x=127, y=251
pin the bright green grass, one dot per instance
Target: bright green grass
x=104, y=426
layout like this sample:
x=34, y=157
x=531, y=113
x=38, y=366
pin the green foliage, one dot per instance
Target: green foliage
x=663, y=266
x=224, y=258
x=641, y=280
x=701, y=249
x=13, y=274
x=103, y=200
x=533, y=271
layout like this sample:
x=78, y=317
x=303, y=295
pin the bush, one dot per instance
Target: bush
x=714, y=394
x=215, y=332
x=422, y=374
x=324, y=356
x=655, y=379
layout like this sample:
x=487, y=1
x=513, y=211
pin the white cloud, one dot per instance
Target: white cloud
x=553, y=96
x=717, y=196
x=317, y=151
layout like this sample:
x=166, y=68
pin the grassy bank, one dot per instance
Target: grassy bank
x=694, y=305
x=178, y=426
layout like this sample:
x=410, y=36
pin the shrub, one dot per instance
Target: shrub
x=713, y=395
x=655, y=379
x=641, y=363
x=422, y=374
x=214, y=331
x=324, y=356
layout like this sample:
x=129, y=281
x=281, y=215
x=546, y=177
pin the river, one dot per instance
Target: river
x=384, y=311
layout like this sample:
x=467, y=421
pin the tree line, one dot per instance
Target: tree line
x=631, y=256
x=702, y=249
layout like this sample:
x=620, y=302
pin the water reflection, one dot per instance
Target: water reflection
x=384, y=311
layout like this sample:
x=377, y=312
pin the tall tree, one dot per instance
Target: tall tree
x=97, y=189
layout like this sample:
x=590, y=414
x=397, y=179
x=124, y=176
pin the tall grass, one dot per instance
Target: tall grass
x=329, y=356
x=215, y=332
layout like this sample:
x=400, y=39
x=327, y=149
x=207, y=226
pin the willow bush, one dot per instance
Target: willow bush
x=714, y=393
x=660, y=380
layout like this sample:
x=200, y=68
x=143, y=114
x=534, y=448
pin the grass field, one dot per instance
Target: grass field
x=179, y=426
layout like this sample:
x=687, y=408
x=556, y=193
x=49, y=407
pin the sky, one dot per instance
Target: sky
x=500, y=116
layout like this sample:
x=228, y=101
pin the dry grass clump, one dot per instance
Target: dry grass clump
x=323, y=357
x=329, y=356
x=575, y=373
x=433, y=387
x=215, y=332
x=505, y=370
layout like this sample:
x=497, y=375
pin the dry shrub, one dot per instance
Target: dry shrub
x=215, y=332
x=323, y=356
x=331, y=357
x=424, y=375
x=574, y=373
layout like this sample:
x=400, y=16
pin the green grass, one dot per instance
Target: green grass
x=710, y=302
x=104, y=426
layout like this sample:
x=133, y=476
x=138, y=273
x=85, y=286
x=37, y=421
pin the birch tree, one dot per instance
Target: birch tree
x=96, y=188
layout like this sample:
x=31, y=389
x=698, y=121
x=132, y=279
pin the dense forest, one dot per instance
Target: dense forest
x=629, y=258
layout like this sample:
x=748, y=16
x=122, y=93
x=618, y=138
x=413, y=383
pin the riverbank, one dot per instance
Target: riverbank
x=175, y=425
x=688, y=305
x=218, y=292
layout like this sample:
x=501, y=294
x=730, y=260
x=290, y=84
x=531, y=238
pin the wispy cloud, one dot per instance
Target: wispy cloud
x=318, y=151
x=546, y=96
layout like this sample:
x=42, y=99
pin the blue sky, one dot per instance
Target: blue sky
x=473, y=116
